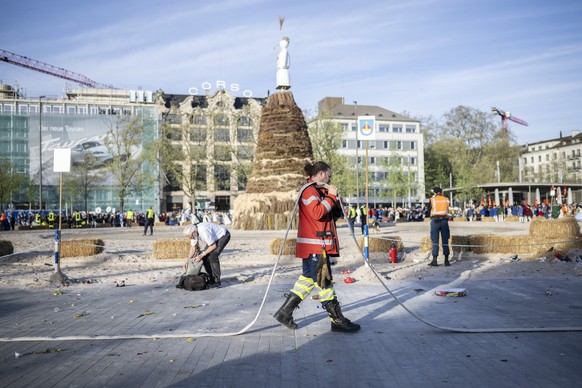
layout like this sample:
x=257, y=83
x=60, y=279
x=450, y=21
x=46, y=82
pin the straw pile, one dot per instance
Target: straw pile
x=171, y=248
x=456, y=244
x=283, y=149
x=6, y=248
x=159, y=223
x=376, y=244
x=492, y=243
x=560, y=228
x=288, y=249
x=81, y=248
x=511, y=219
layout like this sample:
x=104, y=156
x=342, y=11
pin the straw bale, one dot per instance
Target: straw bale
x=288, y=249
x=6, y=248
x=460, y=219
x=511, y=219
x=520, y=244
x=559, y=228
x=159, y=223
x=81, y=248
x=264, y=211
x=487, y=219
x=376, y=244
x=171, y=248
x=456, y=244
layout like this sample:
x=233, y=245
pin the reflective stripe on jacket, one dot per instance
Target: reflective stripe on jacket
x=315, y=215
x=439, y=205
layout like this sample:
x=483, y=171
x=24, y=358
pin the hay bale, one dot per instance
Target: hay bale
x=288, y=249
x=81, y=248
x=559, y=228
x=159, y=223
x=6, y=248
x=487, y=219
x=460, y=219
x=171, y=248
x=519, y=244
x=377, y=244
x=456, y=244
x=512, y=219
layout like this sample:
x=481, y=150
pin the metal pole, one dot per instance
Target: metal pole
x=367, y=185
x=40, y=152
x=357, y=161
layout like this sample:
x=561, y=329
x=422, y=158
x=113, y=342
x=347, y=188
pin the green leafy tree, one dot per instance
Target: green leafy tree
x=83, y=179
x=396, y=181
x=9, y=181
x=131, y=152
x=326, y=139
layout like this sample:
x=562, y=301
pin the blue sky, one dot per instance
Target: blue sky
x=419, y=56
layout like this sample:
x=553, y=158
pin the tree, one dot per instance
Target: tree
x=131, y=151
x=83, y=178
x=10, y=180
x=395, y=183
x=326, y=138
x=183, y=156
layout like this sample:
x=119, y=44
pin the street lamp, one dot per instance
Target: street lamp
x=40, y=152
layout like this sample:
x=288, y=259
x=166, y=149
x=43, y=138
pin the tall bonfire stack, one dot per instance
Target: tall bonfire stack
x=282, y=151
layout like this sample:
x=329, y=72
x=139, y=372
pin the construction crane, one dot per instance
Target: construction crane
x=507, y=116
x=19, y=60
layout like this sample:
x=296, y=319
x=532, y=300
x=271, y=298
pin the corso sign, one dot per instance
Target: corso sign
x=220, y=85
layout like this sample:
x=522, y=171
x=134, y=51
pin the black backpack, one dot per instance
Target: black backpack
x=194, y=282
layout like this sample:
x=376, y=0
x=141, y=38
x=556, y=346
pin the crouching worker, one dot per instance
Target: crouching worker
x=316, y=241
x=215, y=237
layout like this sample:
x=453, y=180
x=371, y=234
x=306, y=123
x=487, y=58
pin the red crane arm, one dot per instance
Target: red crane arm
x=19, y=60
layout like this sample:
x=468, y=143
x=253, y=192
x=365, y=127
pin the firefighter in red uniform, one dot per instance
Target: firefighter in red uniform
x=317, y=240
x=439, y=224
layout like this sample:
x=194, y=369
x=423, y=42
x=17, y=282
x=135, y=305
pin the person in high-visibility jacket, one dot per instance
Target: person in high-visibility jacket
x=51, y=219
x=317, y=239
x=38, y=218
x=129, y=218
x=78, y=218
x=439, y=224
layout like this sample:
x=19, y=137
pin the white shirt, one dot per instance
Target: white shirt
x=209, y=233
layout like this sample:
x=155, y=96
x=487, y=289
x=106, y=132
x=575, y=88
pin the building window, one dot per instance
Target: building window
x=221, y=120
x=397, y=128
x=57, y=109
x=222, y=154
x=222, y=134
x=244, y=135
x=524, y=161
x=384, y=128
x=412, y=161
x=22, y=109
x=539, y=158
x=398, y=145
x=82, y=110
x=198, y=134
x=221, y=177
x=372, y=160
x=244, y=152
x=410, y=129
x=412, y=145
x=359, y=144
x=244, y=120
x=71, y=110
x=7, y=108
x=386, y=145
x=345, y=127
x=353, y=127
x=532, y=159
x=547, y=157
x=344, y=144
x=199, y=120
x=33, y=109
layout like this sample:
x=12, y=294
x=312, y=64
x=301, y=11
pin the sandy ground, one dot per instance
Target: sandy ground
x=127, y=258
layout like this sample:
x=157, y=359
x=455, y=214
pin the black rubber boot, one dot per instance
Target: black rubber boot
x=285, y=314
x=447, y=261
x=433, y=263
x=338, y=321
